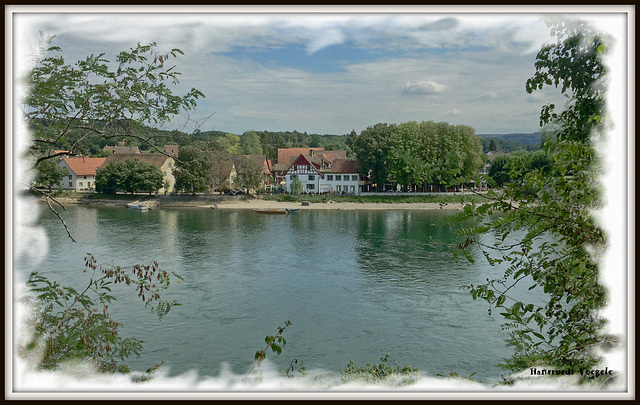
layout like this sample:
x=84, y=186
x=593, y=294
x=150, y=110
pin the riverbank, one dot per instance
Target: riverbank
x=330, y=205
x=251, y=202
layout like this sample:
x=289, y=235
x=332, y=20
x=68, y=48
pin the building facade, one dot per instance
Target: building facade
x=325, y=173
x=82, y=172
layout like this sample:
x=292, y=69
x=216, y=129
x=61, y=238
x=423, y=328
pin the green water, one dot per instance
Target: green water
x=355, y=285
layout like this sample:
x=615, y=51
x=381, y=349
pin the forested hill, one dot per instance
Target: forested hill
x=526, y=139
x=510, y=142
x=267, y=142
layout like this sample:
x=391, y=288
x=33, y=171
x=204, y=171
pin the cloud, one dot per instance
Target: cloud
x=454, y=111
x=423, y=87
x=325, y=39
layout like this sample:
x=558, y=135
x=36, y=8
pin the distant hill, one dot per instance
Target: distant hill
x=525, y=139
x=510, y=142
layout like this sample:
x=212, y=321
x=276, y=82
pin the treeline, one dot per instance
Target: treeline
x=419, y=154
x=252, y=142
x=503, y=144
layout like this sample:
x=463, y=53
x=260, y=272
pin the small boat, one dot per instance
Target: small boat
x=138, y=207
x=274, y=210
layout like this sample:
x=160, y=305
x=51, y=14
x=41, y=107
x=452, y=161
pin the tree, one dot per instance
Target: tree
x=372, y=149
x=545, y=233
x=574, y=62
x=130, y=176
x=296, y=186
x=492, y=145
x=250, y=144
x=499, y=170
x=249, y=171
x=70, y=324
x=75, y=104
x=192, y=169
x=404, y=163
x=50, y=173
x=220, y=169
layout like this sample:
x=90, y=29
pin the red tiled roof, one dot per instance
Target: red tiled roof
x=156, y=159
x=84, y=166
x=285, y=155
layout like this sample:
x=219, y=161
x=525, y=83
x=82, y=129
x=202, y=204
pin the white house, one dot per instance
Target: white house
x=82, y=172
x=325, y=172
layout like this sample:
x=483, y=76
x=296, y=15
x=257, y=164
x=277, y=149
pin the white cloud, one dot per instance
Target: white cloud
x=455, y=111
x=423, y=87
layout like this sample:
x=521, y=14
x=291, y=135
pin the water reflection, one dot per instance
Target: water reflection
x=355, y=284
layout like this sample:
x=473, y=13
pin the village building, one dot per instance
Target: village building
x=165, y=163
x=171, y=150
x=82, y=172
x=323, y=172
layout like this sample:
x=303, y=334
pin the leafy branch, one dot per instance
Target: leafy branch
x=274, y=342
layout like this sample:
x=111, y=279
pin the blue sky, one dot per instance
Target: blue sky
x=326, y=72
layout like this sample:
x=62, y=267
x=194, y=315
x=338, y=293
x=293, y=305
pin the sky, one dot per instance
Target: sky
x=325, y=72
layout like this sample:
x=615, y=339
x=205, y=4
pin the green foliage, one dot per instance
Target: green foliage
x=296, y=186
x=573, y=63
x=372, y=149
x=71, y=325
x=419, y=153
x=510, y=167
x=250, y=144
x=129, y=175
x=193, y=168
x=380, y=373
x=96, y=98
x=49, y=174
x=249, y=172
x=545, y=234
x=275, y=343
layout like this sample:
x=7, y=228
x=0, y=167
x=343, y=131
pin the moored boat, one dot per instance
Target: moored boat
x=274, y=210
x=138, y=206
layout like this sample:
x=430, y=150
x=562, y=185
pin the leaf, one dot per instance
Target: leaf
x=500, y=300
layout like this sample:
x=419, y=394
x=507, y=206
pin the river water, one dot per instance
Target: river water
x=354, y=284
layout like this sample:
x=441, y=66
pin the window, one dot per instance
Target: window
x=169, y=164
x=80, y=184
x=294, y=176
x=354, y=177
x=352, y=189
x=338, y=177
x=338, y=189
x=329, y=177
x=311, y=177
x=85, y=177
x=88, y=184
x=70, y=184
x=164, y=174
x=70, y=178
x=311, y=186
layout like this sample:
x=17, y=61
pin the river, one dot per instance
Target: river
x=354, y=284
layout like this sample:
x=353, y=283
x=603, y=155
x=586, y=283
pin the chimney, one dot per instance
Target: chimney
x=311, y=152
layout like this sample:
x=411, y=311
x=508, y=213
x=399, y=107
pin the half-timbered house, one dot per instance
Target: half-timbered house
x=324, y=172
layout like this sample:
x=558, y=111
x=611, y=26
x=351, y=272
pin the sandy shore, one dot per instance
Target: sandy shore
x=346, y=206
x=238, y=204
